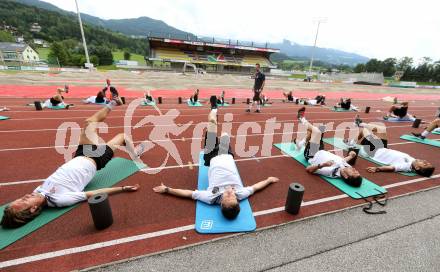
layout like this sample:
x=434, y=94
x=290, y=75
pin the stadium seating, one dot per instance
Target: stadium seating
x=171, y=54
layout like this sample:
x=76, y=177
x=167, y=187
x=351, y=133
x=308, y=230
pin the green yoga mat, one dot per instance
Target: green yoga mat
x=435, y=132
x=223, y=105
x=339, y=109
x=4, y=117
x=339, y=143
x=153, y=103
x=116, y=170
x=418, y=140
x=367, y=188
x=197, y=104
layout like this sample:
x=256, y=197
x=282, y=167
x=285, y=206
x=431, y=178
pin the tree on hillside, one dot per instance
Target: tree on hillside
x=58, y=54
x=389, y=67
x=103, y=53
x=360, y=68
x=127, y=55
x=374, y=66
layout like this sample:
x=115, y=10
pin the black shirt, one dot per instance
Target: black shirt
x=259, y=79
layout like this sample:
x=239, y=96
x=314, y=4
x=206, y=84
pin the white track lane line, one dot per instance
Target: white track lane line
x=172, y=140
x=115, y=242
x=220, y=123
x=181, y=166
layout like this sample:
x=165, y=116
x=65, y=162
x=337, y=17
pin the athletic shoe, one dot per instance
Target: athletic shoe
x=357, y=120
x=386, y=117
x=257, y=111
x=418, y=135
x=248, y=110
x=301, y=113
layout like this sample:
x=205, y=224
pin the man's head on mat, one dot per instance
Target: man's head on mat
x=423, y=168
x=351, y=176
x=229, y=203
x=22, y=210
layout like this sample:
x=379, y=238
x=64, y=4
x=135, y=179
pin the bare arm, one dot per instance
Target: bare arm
x=387, y=168
x=162, y=189
x=350, y=156
x=313, y=167
x=264, y=183
x=113, y=190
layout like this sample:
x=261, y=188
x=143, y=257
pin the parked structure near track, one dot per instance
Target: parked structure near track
x=209, y=54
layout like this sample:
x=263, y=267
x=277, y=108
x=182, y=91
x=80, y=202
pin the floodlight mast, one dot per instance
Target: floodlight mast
x=87, y=64
x=320, y=20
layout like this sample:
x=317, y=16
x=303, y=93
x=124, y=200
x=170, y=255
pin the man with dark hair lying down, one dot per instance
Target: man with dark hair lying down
x=345, y=103
x=373, y=138
x=195, y=97
x=323, y=162
x=399, y=112
x=65, y=187
x=225, y=188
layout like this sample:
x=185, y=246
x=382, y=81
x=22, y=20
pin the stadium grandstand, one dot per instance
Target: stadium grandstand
x=211, y=55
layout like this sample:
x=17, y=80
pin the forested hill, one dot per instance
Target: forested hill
x=57, y=27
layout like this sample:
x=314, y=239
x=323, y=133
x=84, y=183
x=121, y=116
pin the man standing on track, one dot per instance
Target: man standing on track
x=260, y=80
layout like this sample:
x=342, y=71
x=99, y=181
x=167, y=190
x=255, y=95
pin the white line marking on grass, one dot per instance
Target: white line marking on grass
x=115, y=242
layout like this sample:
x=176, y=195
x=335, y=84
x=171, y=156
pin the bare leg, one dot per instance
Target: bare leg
x=89, y=131
x=433, y=125
x=372, y=129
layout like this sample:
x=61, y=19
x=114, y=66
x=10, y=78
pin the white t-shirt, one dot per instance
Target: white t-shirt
x=222, y=173
x=323, y=156
x=401, y=161
x=65, y=186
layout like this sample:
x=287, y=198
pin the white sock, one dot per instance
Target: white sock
x=425, y=133
x=258, y=106
x=214, y=111
x=301, y=143
x=303, y=120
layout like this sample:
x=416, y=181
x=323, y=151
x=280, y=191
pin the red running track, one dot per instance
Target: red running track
x=67, y=242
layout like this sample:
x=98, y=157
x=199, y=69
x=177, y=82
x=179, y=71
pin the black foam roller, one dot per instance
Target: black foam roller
x=101, y=211
x=416, y=123
x=180, y=100
x=294, y=198
x=248, y=101
x=233, y=100
x=159, y=99
x=38, y=105
x=367, y=109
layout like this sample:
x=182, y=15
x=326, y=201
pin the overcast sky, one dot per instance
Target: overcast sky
x=373, y=28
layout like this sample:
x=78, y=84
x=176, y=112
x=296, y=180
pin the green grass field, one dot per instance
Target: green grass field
x=43, y=53
x=119, y=55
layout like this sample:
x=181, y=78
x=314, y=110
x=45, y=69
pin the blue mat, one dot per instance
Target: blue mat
x=197, y=104
x=367, y=188
x=4, y=118
x=209, y=218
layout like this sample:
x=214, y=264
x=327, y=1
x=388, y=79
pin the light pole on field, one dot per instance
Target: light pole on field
x=319, y=21
x=87, y=64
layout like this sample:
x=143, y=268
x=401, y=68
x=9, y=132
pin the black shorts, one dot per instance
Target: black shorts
x=149, y=98
x=256, y=96
x=54, y=102
x=99, y=99
x=401, y=112
x=311, y=149
x=194, y=98
x=371, y=144
x=211, y=152
x=346, y=105
x=101, y=158
x=290, y=97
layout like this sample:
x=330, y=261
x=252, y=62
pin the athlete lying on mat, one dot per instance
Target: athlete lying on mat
x=98, y=99
x=225, y=186
x=345, y=103
x=399, y=112
x=114, y=95
x=373, y=138
x=434, y=125
x=289, y=97
x=148, y=97
x=323, y=162
x=195, y=97
x=65, y=186
x=318, y=101
x=57, y=99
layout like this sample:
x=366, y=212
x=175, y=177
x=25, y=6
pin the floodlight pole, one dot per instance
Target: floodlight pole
x=314, y=45
x=83, y=37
